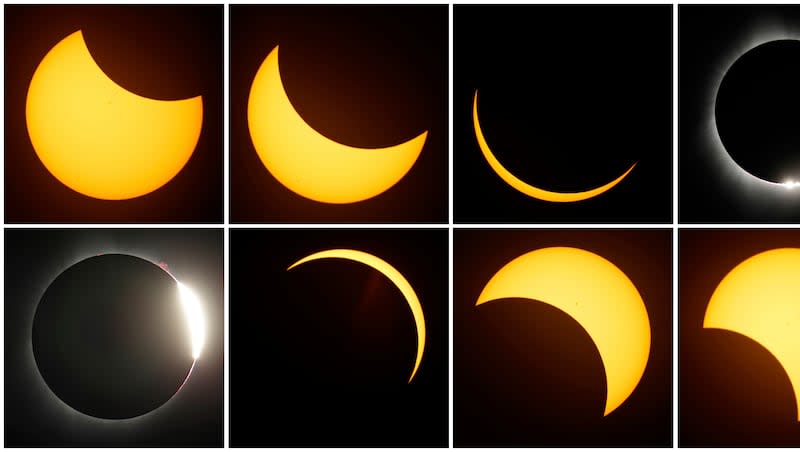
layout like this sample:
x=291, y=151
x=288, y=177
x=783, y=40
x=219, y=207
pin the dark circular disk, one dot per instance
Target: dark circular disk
x=757, y=111
x=110, y=337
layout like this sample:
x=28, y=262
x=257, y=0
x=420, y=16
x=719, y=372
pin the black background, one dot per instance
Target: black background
x=570, y=97
x=321, y=354
x=710, y=39
x=160, y=52
x=733, y=392
x=367, y=76
x=34, y=417
x=528, y=375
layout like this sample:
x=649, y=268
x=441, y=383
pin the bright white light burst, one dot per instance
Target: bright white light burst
x=791, y=184
x=197, y=325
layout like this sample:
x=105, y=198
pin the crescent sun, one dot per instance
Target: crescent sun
x=310, y=164
x=99, y=139
x=394, y=276
x=522, y=186
x=760, y=299
x=594, y=292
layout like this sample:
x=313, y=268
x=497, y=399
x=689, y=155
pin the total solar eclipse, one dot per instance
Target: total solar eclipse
x=116, y=336
x=756, y=111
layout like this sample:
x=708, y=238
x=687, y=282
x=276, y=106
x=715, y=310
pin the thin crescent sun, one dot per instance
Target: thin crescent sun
x=394, y=276
x=99, y=139
x=760, y=299
x=522, y=186
x=310, y=164
x=594, y=292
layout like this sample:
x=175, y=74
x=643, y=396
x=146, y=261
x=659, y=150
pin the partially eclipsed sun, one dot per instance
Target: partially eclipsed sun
x=760, y=299
x=99, y=139
x=594, y=292
x=310, y=164
x=394, y=276
x=524, y=187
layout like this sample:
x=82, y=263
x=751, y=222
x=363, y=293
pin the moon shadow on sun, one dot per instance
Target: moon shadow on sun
x=110, y=337
x=756, y=111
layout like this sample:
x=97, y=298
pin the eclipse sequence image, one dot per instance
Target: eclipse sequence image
x=421, y=225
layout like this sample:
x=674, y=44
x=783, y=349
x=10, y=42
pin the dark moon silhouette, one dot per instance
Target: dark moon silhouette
x=758, y=111
x=110, y=337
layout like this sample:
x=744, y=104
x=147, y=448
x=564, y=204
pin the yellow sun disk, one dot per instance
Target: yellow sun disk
x=99, y=139
x=594, y=292
x=310, y=164
x=524, y=187
x=760, y=299
x=394, y=276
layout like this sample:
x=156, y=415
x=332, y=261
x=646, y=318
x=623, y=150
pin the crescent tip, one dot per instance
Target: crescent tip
x=195, y=100
x=311, y=257
x=482, y=298
x=295, y=265
x=421, y=138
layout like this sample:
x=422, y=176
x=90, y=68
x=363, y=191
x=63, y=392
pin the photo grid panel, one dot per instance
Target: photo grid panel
x=444, y=225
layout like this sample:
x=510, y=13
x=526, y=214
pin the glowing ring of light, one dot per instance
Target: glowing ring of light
x=195, y=319
x=713, y=140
